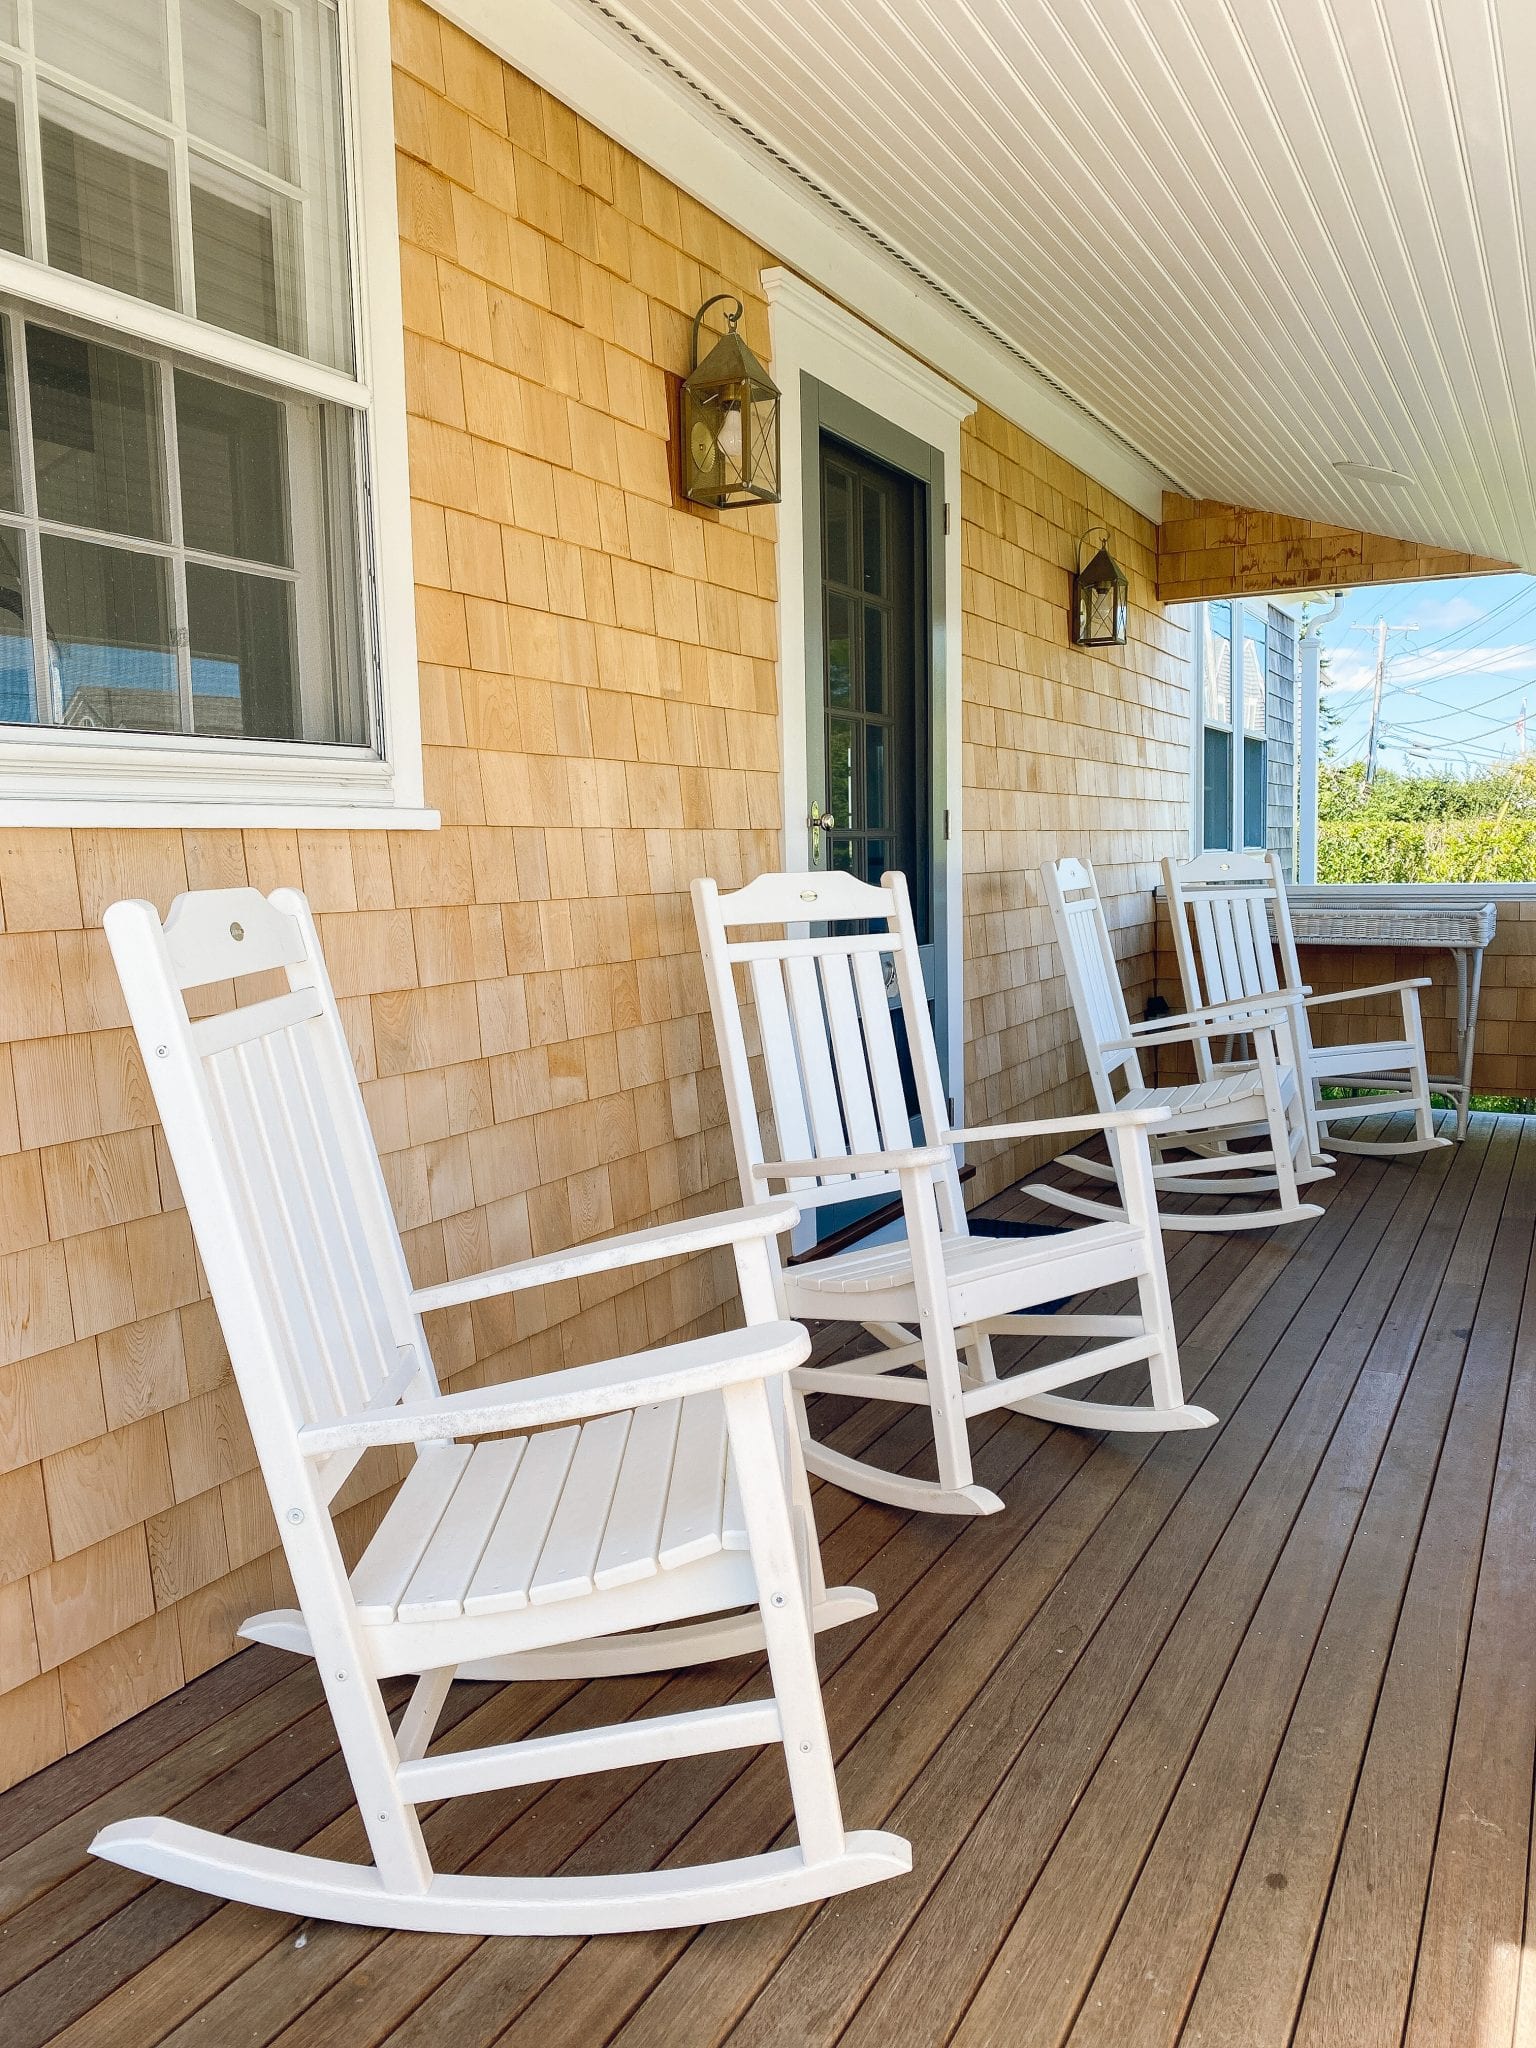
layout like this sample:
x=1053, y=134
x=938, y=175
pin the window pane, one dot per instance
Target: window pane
x=1255, y=819
x=839, y=656
x=8, y=21
x=1216, y=822
x=106, y=199
x=874, y=658
x=7, y=451
x=243, y=663
x=18, y=697
x=116, y=44
x=96, y=432
x=238, y=63
x=840, y=769
x=109, y=636
x=1218, y=664
x=12, y=220
x=264, y=82
x=874, y=540
x=245, y=257
x=1255, y=667
x=231, y=454
x=839, y=497
x=874, y=777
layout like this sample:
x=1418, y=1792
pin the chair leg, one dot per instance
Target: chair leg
x=786, y=1623
x=413, y=1737
x=981, y=1369
x=941, y=1352
x=373, y=1758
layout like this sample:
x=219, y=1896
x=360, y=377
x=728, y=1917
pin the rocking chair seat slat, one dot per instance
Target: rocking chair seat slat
x=440, y=1581
x=522, y=1521
x=1239, y=1090
x=694, y=1521
x=878, y=1268
x=387, y=1565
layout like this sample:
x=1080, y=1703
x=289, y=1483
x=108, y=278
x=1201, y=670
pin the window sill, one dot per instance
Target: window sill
x=215, y=815
x=114, y=780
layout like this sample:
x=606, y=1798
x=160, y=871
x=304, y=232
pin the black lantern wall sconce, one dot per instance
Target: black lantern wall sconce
x=1098, y=598
x=730, y=421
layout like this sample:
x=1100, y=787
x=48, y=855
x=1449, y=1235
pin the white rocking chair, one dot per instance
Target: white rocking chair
x=1261, y=1099
x=1232, y=933
x=657, y=1489
x=844, y=1133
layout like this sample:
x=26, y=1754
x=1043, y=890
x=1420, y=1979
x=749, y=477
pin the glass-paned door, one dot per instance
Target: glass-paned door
x=875, y=711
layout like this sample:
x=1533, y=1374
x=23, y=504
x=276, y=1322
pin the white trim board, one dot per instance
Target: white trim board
x=813, y=336
x=602, y=75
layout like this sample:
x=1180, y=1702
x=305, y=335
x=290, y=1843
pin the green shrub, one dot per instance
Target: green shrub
x=1427, y=828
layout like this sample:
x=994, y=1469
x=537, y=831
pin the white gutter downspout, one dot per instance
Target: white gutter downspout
x=1310, y=688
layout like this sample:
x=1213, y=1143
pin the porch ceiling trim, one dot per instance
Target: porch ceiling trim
x=600, y=72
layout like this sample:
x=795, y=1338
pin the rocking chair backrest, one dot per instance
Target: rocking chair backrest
x=826, y=1028
x=1231, y=931
x=1093, y=978
x=271, y=1144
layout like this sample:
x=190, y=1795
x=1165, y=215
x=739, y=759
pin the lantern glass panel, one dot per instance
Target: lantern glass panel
x=765, y=444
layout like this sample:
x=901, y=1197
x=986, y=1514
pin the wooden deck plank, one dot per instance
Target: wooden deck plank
x=1171, y=1831
x=1257, y=1968
x=1141, y=1991
x=1362, y=1968
x=1173, y=1670
x=1467, y=1973
x=824, y=1976
x=1298, y=1400
x=1112, y=1512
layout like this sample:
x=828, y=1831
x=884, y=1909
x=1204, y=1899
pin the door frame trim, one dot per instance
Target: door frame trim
x=813, y=337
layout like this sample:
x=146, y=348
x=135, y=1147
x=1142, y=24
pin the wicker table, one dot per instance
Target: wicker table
x=1463, y=930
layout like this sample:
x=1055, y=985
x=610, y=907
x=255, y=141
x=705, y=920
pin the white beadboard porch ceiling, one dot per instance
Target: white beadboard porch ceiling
x=1256, y=238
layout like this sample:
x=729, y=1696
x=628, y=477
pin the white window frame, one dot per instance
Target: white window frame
x=122, y=778
x=1239, y=732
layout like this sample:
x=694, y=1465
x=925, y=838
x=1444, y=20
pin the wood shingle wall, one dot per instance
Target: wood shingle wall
x=1209, y=549
x=522, y=988
x=1067, y=751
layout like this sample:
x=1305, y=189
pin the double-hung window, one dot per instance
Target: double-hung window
x=203, y=507
x=1234, y=696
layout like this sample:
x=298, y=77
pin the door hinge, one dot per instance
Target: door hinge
x=946, y=516
x=946, y=824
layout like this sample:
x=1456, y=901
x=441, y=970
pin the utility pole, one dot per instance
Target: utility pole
x=1381, y=629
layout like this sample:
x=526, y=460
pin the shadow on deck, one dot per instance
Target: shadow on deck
x=1223, y=1738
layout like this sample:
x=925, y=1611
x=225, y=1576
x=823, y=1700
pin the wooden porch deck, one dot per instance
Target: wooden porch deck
x=1223, y=1738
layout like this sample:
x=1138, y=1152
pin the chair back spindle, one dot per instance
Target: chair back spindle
x=267, y=1128
x=825, y=1006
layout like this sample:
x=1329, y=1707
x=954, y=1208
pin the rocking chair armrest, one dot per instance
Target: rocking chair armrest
x=902, y=1160
x=1256, y=1016
x=701, y=1365
x=1050, y=1126
x=1221, y=1014
x=1381, y=988
x=606, y=1254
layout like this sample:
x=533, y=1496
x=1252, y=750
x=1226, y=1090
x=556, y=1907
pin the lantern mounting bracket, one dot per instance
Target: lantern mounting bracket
x=720, y=299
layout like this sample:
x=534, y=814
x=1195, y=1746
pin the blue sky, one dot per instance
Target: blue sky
x=1454, y=689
